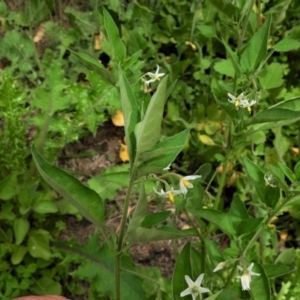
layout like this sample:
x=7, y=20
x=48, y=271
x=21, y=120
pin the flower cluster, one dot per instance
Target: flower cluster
x=184, y=185
x=239, y=101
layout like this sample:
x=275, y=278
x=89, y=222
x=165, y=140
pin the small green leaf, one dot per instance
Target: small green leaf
x=21, y=227
x=87, y=201
x=225, y=7
x=286, y=44
x=219, y=218
x=38, y=244
x=155, y=218
x=256, y=49
x=46, y=286
x=116, y=43
x=147, y=132
x=8, y=187
x=45, y=207
x=287, y=172
x=18, y=254
x=234, y=58
x=225, y=67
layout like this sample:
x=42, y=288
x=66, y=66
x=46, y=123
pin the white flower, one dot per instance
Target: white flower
x=270, y=180
x=236, y=100
x=184, y=183
x=246, y=277
x=194, y=288
x=247, y=104
x=168, y=194
x=220, y=266
x=153, y=76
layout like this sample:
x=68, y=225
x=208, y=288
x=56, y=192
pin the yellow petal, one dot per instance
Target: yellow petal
x=118, y=118
x=123, y=154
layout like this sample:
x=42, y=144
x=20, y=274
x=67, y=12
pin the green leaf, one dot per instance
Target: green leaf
x=234, y=58
x=286, y=44
x=271, y=76
x=271, y=115
x=87, y=201
x=45, y=207
x=147, y=132
x=46, y=286
x=256, y=49
x=225, y=67
x=248, y=226
x=273, y=271
x=38, y=244
x=183, y=267
x=260, y=287
x=225, y=7
x=131, y=114
x=297, y=170
x=96, y=66
x=21, y=227
x=155, y=218
x=116, y=43
x=219, y=218
x=110, y=181
x=8, y=187
x=287, y=172
x=162, y=154
x=18, y=254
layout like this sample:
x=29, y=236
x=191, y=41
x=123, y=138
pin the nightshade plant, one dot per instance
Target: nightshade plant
x=243, y=225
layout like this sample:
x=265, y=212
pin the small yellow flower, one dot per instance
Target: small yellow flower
x=168, y=194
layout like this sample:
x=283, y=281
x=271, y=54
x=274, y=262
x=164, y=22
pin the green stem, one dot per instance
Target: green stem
x=121, y=236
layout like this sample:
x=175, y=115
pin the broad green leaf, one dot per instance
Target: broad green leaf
x=155, y=218
x=165, y=152
x=248, y=226
x=237, y=212
x=256, y=49
x=273, y=271
x=271, y=115
x=21, y=227
x=277, y=172
x=96, y=66
x=116, y=43
x=260, y=287
x=38, y=244
x=286, y=44
x=183, y=267
x=147, y=132
x=219, y=218
x=131, y=114
x=131, y=60
x=271, y=76
x=290, y=104
x=225, y=67
x=227, y=294
x=87, y=201
x=297, y=170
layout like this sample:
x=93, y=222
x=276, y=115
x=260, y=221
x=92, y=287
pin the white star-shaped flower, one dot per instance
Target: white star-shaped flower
x=247, y=104
x=236, y=100
x=168, y=194
x=194, y=288
x=184, y=183
x=153, y=76
x=246, y=277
